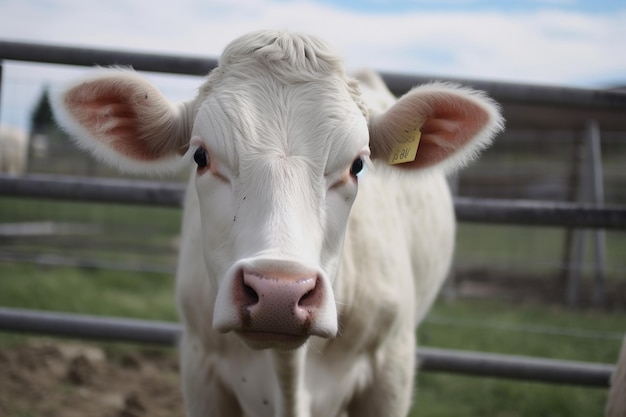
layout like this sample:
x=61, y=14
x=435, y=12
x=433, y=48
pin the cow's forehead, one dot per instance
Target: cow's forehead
x=281, y=95
x=264, y=116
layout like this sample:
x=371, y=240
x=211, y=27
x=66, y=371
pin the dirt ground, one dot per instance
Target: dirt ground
x=71, y=379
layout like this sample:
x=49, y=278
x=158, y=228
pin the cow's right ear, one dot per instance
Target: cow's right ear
x=124, y=120
x=435, y=125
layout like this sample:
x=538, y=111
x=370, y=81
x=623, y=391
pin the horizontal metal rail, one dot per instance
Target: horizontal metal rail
x=97, y=190
x=82, y=262
x=429, y=359
x=539, y=213
x=493, y=211
x=89, y=327
x=398, y=83
x=64, y=55
x=527, y=94
x=493, y=365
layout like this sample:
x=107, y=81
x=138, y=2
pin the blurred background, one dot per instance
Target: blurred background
x=521, y=290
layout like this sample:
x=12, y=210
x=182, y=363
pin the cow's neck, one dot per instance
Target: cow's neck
x=290, y=368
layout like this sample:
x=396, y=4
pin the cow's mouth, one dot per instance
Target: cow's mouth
x=270, y=340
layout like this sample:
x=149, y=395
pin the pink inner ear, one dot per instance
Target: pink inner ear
x=108, y=111
x=451, y=122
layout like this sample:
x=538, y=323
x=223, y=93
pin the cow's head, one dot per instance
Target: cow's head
x=279, y=136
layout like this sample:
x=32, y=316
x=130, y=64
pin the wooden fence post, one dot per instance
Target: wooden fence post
x=616, y=402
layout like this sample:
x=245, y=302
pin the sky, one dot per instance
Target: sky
x=578, y=43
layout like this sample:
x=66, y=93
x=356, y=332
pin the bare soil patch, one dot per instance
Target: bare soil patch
x=71, y=379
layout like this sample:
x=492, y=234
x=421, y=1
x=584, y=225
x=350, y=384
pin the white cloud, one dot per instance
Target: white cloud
x=550, y=47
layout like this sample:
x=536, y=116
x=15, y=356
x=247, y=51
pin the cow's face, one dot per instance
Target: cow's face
x=278, y=166
x=279, y=136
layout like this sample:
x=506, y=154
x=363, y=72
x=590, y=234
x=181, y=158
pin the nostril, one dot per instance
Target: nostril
x=250, y=296
x=305, y=298
x=311, y=298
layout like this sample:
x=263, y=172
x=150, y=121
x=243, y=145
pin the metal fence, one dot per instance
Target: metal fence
x=437, y=360
x=429, y=359
x=527, y=107
x=565, y=124
x=479, y=210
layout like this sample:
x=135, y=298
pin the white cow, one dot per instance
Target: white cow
x=299, y=298
x=13, y=150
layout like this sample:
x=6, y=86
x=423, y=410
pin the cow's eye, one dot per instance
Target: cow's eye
x=201, y=157
x=357, y=166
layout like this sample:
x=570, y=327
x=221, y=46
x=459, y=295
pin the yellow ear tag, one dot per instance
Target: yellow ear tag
x=405, y=151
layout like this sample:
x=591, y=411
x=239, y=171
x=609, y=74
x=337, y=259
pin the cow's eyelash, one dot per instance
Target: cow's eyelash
x=188, y=156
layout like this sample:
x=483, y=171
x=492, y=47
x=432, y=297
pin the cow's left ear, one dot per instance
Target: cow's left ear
x=124, y=120
x=448, y=125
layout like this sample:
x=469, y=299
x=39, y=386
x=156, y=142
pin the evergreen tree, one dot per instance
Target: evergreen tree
x=42, y=117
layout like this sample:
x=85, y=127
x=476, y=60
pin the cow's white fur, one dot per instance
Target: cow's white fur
x=282, y=124
x=13, y=150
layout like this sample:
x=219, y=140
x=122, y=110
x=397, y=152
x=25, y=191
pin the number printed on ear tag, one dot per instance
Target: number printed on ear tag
x=405, y=151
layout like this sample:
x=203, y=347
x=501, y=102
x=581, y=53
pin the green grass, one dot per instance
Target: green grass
x=114, y=233
x=441, y=395
x=98, y=292
x=525, y=329
x=531, y=250
x=113, y=215
x=492, y=326
x=113, y=224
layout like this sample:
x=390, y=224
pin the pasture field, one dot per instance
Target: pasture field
x=114, y=235
x=480, y=325
x=132, y=241
x=145, y=238
x=527, y=263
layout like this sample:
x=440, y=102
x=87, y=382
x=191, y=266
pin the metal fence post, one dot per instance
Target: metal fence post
x=590, y=190
x=597, y=198
x=576, y=237
x=1, y=67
